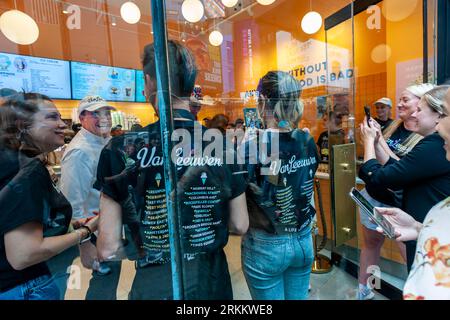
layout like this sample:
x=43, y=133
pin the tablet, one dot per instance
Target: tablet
x=375, y=216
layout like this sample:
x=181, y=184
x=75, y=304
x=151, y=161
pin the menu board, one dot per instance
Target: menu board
x=111, y=83
x=32, y=74
x=140, y=85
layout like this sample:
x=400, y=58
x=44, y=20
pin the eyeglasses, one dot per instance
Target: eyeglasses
x=99, y=113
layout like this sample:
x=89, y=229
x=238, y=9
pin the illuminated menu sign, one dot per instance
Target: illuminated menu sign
x=111, y=83
x=140, y=85
x=32, y=74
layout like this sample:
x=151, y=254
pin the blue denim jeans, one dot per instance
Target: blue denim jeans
x=41, y=288
x=277, y=267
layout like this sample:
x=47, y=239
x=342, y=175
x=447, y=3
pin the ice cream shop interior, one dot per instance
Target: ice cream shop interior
x=348, y=57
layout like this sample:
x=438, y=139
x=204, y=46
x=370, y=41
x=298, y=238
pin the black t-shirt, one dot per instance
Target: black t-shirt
x=281, y=189
x=423, y=174
x=397, y=139
x=26, y=195
x=205, y=187
x=323, y=142
x=384, y=124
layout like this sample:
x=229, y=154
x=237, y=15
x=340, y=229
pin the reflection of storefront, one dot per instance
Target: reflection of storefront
x=358, y=57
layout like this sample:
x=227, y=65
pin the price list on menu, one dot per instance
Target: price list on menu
x=111, y=83
x=32, y=74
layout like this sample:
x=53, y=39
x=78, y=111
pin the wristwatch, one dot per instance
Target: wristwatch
x=88, y=236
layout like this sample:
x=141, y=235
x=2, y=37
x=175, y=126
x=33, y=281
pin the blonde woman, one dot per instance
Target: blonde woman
x=423, y=174
x=277, y=251
x=397, y=139
x=430, y=275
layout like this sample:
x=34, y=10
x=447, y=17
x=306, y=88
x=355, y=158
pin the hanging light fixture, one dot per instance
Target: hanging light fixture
x=229, y=3
x=192, y=10
x=130, y=12
x=311, y=22
x=265, y=2
x=19, y=27
x=215, y=38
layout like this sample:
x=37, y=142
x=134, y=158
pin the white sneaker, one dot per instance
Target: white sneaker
x=365, y=293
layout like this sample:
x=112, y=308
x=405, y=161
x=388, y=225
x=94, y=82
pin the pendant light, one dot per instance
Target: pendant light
x=229, y=3
x=130, y=12
x=312, y=21
x=192, y=10
x=215, y=38
x=19, y=27
x=265, y=2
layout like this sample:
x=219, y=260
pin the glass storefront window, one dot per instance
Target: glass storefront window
x=158, y=75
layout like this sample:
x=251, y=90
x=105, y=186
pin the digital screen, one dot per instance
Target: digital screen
x=32, y=74
x=140, y=85
x=111, y=83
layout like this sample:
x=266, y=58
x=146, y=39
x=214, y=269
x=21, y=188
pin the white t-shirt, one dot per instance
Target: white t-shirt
x=429, y=278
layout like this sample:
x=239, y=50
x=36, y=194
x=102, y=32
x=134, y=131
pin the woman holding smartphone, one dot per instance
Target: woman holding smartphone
x=429, y=278
x=396, y=141
x=424, y=179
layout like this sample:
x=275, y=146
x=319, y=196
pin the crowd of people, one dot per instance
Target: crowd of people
x=110, y=201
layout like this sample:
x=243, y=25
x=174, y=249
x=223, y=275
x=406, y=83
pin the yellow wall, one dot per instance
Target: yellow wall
x=405, y=39
x=143, y=111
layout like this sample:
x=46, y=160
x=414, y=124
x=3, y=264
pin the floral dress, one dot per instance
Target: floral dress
x=429, y=278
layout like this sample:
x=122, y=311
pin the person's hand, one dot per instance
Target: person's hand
x=368, y=134
x=92, y=223
x=374, y=124
x=78, y=223
x=306, y=130
x=405, y=227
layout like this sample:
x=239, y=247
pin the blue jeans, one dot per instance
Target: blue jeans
x=277, y=267
x=41, y=288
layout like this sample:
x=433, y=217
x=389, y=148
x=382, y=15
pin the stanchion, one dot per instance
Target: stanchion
x=321, y=264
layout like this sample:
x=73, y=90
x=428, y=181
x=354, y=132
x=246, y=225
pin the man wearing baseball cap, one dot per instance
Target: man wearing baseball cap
x=78, y=174
x=383, y=108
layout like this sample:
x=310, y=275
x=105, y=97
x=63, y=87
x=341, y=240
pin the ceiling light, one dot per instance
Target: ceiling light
x=216, y=38
x=192, y=10
x=19, y=27
x=265, y=2
x=130, y=12
x=229, y=3
x=311, y=22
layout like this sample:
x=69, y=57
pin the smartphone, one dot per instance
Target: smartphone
x=367, y=112
x=375, y=216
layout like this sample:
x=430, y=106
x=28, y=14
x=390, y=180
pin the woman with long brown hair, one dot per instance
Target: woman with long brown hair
x=30, y=127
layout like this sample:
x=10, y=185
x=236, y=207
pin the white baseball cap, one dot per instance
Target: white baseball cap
x=385, y=101
x=93, y=103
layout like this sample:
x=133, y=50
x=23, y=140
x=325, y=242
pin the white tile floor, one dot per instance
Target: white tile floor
x=335, y=285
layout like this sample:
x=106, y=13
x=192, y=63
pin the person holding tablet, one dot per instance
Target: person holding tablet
x=429, y=278
x=425, y=179
x=397, y=140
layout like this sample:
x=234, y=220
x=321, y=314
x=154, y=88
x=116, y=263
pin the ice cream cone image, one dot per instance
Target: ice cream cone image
x=158, y=179
x=204, y=176
x=284, y=181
